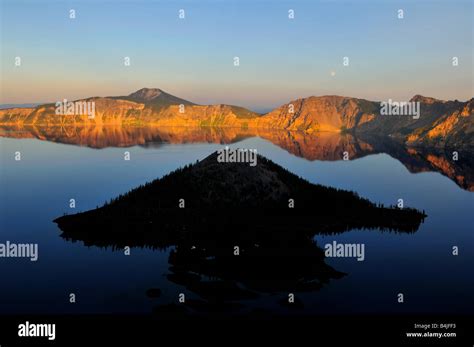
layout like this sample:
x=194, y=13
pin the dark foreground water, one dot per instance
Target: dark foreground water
x=38, y=188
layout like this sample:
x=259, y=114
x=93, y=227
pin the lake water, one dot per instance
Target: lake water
x=37, y=189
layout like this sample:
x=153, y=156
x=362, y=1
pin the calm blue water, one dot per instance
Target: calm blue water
x=37, y=189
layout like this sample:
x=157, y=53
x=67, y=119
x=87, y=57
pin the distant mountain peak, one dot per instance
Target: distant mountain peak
x=146, y=94
x=156, y=97
x=424, y=99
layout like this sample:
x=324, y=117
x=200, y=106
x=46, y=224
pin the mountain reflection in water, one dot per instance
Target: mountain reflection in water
x=322, y=146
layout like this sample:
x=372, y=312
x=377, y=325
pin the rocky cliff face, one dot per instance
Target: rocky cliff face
x=454, y=128
x=108, y=111
x=157, y=108
x=441, y=123
x=325, y=113
x=206, y=115
x=405, y=126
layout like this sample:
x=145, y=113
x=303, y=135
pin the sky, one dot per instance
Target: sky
x=281, y=59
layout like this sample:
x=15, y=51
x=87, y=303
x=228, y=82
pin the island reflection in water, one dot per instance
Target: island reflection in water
x=114, y=282
x=236, y=240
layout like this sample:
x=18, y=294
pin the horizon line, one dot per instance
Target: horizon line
x=7, y=105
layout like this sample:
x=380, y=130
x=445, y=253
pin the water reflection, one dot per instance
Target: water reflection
x=321, y=146
x=237, y=240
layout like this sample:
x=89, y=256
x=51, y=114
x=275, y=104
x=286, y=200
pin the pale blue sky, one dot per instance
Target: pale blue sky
x=280, y=59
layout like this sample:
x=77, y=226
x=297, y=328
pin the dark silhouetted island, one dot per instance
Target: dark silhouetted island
x=215, y=198
x=229, y=208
